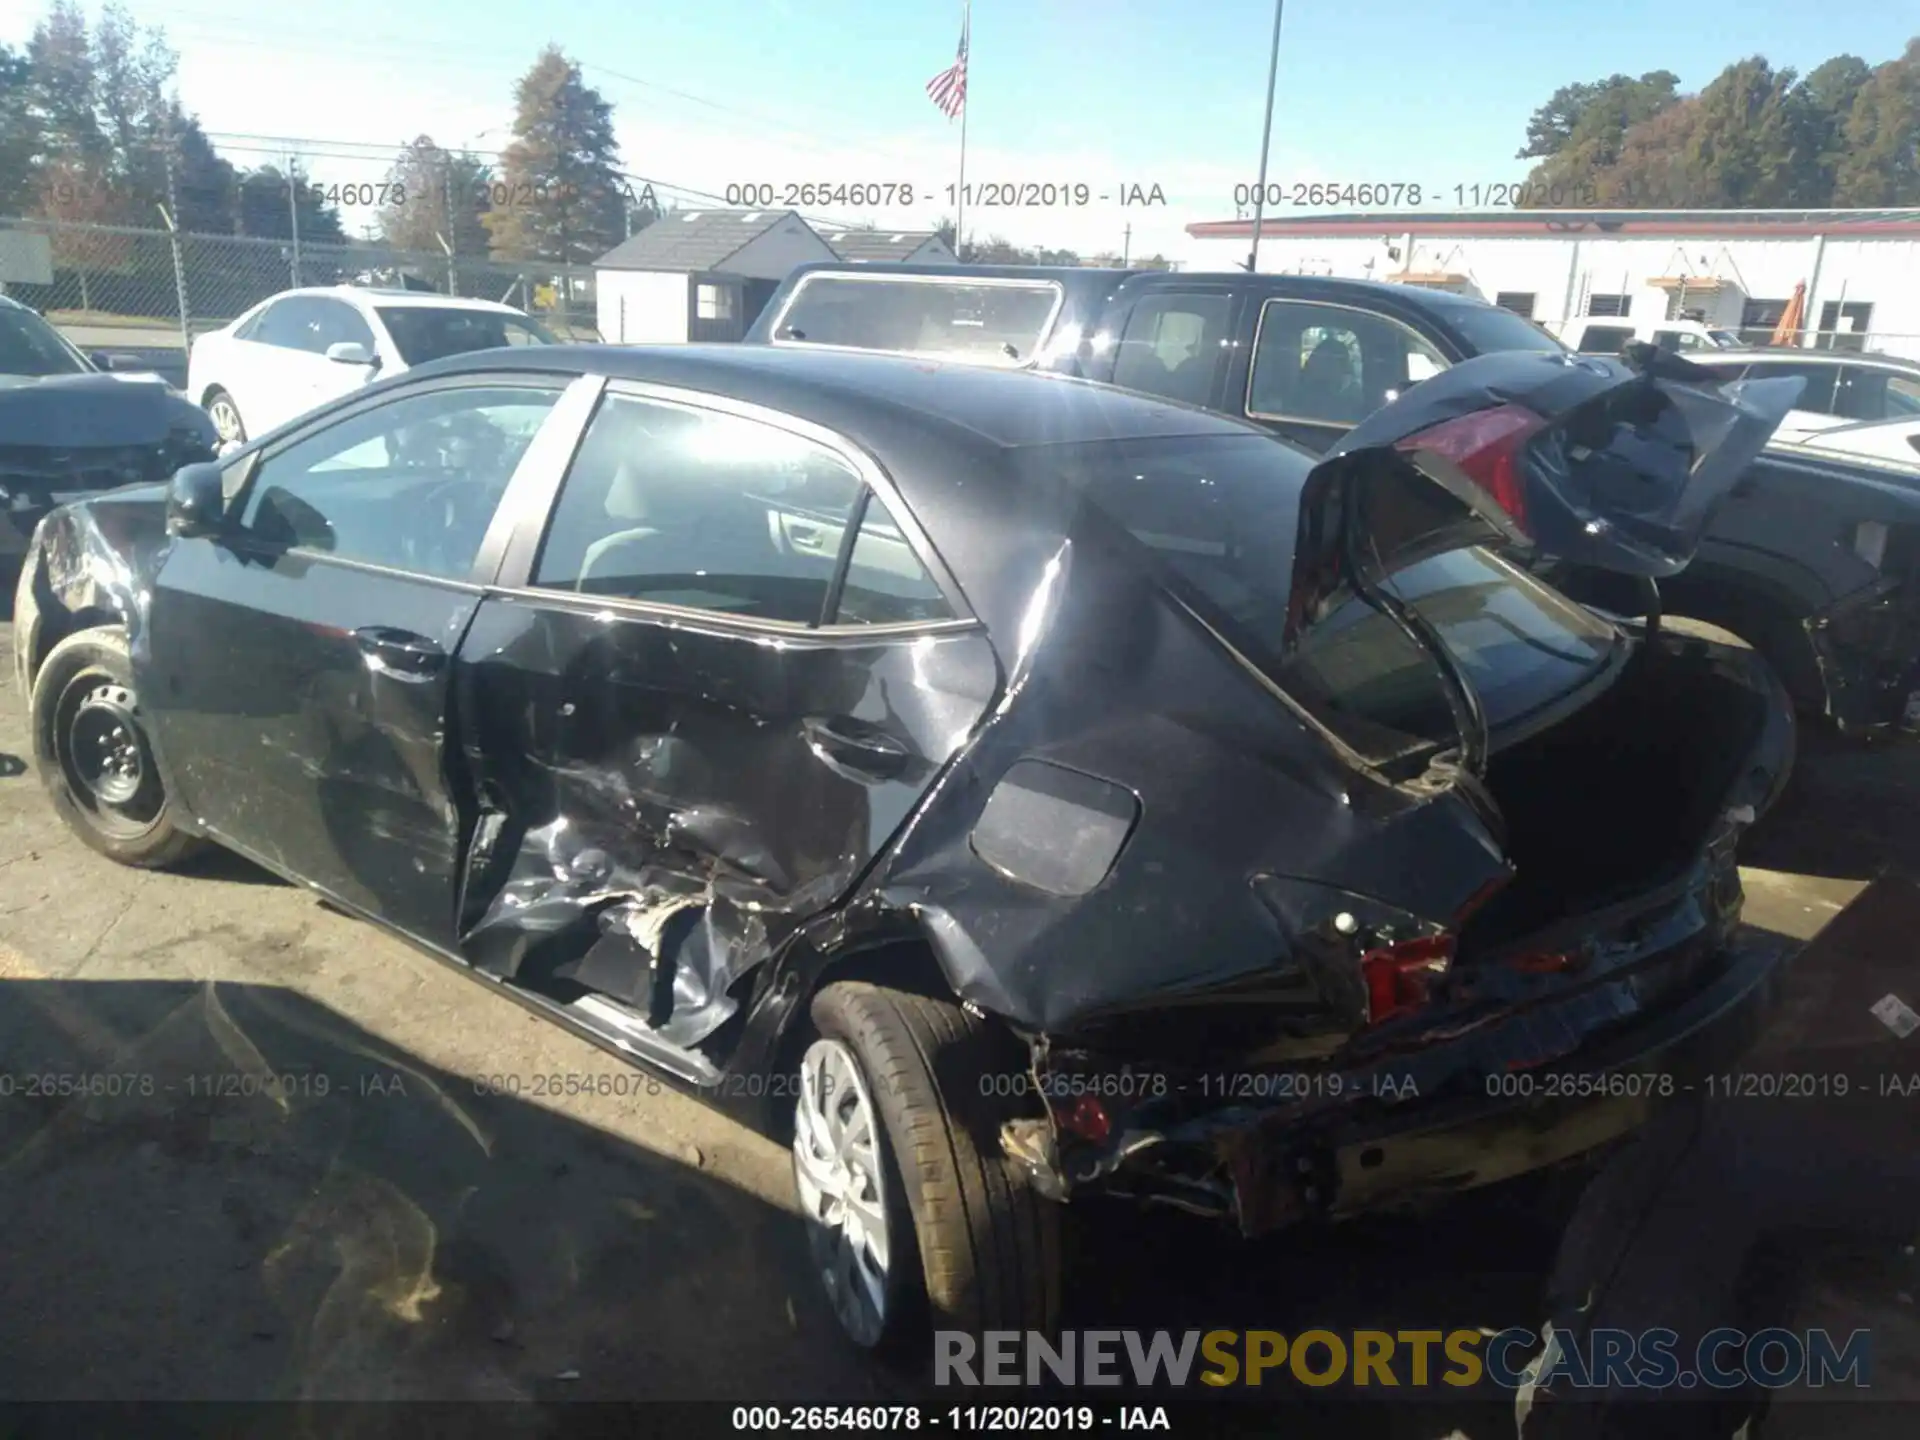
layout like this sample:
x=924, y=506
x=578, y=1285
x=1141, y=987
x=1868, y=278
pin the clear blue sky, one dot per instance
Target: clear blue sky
x=1153, y=91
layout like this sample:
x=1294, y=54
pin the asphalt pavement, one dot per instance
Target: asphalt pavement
x=299, y=1176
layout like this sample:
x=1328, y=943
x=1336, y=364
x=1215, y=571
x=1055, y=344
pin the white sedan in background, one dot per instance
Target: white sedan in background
x=303, y=348
x=1896, y=441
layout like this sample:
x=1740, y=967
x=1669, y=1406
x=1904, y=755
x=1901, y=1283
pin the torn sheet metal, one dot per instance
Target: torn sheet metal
x=658, y=811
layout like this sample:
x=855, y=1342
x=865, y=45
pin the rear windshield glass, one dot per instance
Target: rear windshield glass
x=1002, y=323
x=30, y=346
x=1488, y=328
x=1218, y=516
x=430, y=332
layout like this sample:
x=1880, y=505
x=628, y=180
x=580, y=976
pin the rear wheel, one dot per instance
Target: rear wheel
x=913, y=1215
x=226, y=417
x=91, y=746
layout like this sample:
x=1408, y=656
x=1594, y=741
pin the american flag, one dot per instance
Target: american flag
x=948, y=89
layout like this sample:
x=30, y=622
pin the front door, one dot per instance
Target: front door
x=299, y=668
x=732, y=671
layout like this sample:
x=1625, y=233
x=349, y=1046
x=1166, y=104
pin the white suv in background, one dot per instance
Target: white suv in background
x=302, y=348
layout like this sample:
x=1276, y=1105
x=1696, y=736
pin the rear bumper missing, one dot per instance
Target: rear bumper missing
x=1868, y=649
x=1267, y=1168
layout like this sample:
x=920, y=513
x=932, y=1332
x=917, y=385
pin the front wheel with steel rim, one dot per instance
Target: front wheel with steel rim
x=913, y=1215
x=226, y=418
x=94, y=756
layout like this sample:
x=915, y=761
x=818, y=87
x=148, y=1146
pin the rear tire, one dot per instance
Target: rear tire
x=91, y=748
x=971, y=1245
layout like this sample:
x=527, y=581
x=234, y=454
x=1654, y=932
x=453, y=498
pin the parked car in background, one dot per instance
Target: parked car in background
x=1003, y=787
x=1843, y=386
x=1607, y=335
x=303, y=348
x=72, y=425
x=1813, y=558
x=1892, y=442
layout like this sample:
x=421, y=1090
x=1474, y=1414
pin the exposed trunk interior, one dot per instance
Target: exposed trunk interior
x=1620, y=796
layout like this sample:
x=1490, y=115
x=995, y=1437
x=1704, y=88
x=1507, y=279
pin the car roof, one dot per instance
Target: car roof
x=840, y=389
x=365, y=296
x=1793, y=355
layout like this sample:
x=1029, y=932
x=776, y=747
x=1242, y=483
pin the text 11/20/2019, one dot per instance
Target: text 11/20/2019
x=959, y=1418
x=902, y=195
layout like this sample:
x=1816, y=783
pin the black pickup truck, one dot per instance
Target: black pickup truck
x=1814, y=561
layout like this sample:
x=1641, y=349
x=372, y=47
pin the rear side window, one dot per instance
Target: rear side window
x=1865, y=394
x=686, y=507
x=1172, y=346
x=1002, y=322
x=1334, y=365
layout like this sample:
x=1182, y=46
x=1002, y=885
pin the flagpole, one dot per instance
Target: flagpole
x=960, y=195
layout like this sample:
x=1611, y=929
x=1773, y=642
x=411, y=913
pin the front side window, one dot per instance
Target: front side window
x=411, y=483
x=1171, y=346
x=431, y=332
x=1822, y=381
x=338, y=323
x=679, y=506
x=286, y=323
x=1333, y=365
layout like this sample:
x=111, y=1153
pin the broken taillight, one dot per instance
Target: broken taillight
x=1398, y=975
x=1489, y=445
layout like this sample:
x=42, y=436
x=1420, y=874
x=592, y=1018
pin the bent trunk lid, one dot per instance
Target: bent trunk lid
x=1617, y=465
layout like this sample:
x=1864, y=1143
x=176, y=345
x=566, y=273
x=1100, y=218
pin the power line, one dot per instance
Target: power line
x=418, y=50
x=298, y=147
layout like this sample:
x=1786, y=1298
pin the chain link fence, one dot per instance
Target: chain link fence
x=132, y=286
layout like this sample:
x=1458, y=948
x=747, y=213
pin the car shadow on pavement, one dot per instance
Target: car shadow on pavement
x=229, y=1192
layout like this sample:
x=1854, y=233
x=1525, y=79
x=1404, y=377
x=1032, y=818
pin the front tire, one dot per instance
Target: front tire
x=914, y=1216
x=226, y=417
x=91, y=747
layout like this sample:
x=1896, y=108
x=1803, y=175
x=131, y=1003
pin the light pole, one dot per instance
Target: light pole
x=1266, y=137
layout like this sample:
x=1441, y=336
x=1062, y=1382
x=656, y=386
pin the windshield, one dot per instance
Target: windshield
x=30, y=346
x=1489, y=328
x=431, y=332
x=994, y=323
x=1218, y=517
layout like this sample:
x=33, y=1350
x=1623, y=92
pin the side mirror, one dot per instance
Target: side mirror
x=352, y=352
x=111, y=360
x=196, y=501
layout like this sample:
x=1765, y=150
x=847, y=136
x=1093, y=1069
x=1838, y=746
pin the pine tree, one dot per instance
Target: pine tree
x=559, y=196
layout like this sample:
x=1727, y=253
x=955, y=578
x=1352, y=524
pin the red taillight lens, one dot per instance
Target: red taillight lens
x=1397, y=975
x=1085, y=1117
x=1488, y=446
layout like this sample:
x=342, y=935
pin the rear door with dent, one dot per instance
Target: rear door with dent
x=718, y=671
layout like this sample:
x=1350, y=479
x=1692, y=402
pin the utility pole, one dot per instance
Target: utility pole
x=1266, y=137
x=293, y=214
x=450, y=235
x=1126, y=246
x=173, y=241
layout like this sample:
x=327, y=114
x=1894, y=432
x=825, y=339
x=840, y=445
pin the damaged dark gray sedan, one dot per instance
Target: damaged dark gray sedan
x=1002, y=786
